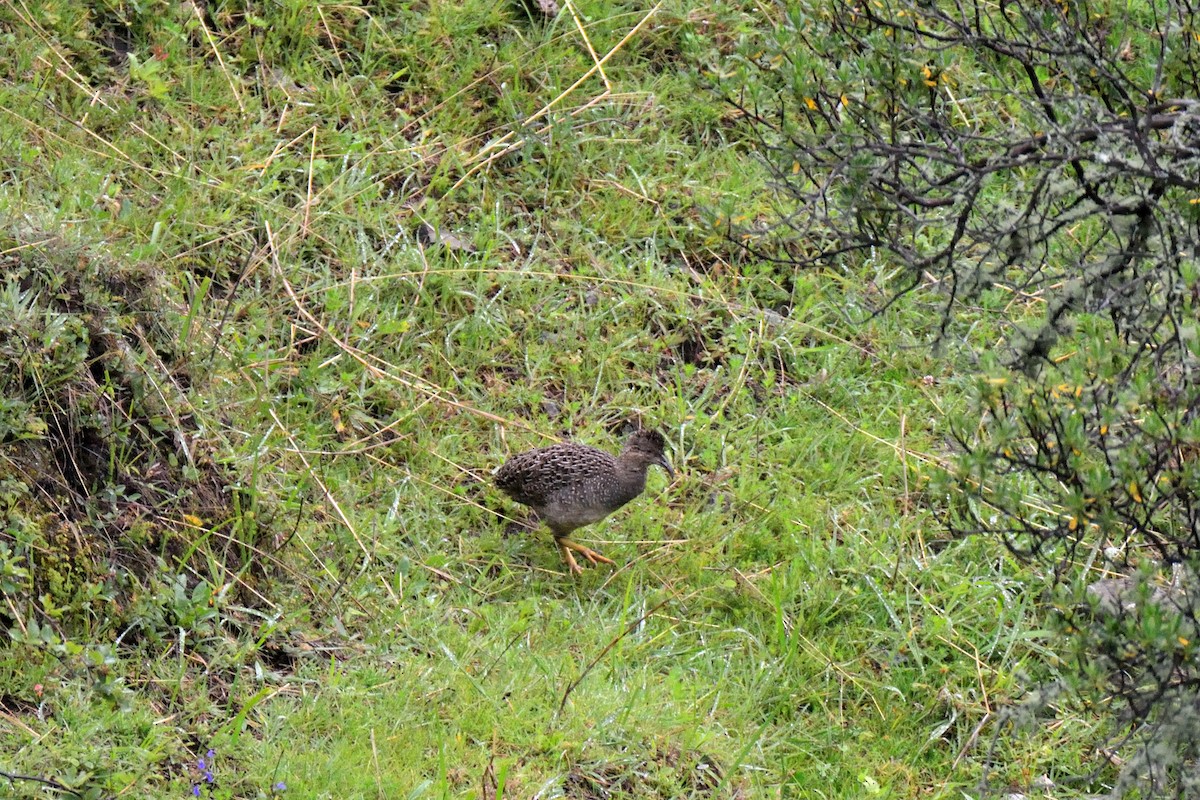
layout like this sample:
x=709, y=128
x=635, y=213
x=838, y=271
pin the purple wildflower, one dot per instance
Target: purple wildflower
x=208, y=776
x=195, y=790
x=281, y=787
x=200, y=764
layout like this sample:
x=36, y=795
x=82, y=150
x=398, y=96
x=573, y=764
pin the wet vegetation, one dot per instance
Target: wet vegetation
x=282, y=283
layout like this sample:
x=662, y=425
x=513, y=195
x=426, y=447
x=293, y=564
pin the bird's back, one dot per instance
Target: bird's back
x=549, y=475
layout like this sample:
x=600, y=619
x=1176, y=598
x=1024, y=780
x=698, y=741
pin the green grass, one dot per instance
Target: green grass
x=788, y=619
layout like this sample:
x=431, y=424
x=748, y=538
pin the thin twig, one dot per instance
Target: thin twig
x=628, y=630
x=44, y=781
x=217, y=52
x=971, y=740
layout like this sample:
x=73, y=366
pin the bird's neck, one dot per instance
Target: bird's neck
x=632, y=475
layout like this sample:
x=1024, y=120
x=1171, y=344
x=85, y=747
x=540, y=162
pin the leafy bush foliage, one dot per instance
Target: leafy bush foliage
x=1037, y=166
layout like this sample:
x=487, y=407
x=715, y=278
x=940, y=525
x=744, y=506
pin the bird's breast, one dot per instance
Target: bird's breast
x=573, y=515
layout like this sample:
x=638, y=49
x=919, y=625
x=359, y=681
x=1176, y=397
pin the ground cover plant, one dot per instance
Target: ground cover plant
x=283, y=282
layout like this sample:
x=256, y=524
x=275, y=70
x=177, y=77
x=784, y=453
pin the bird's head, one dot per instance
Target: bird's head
x=648, y=447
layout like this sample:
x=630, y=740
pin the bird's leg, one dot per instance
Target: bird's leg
x=566, y=546
x=570, y=559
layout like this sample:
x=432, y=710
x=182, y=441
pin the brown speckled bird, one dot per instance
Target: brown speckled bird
x=572, y=485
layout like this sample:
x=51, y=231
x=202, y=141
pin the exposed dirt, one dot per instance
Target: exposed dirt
x=103, y=467
x=665, y=772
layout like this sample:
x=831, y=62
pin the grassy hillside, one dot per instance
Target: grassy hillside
x=284, y=282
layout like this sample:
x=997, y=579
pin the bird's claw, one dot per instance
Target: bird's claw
x=566, y=546
x=596, y=558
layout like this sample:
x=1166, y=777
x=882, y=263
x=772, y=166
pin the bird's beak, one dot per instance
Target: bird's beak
x=662, y=462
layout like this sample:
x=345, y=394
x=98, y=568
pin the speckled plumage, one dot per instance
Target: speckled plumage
x=572, y=485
